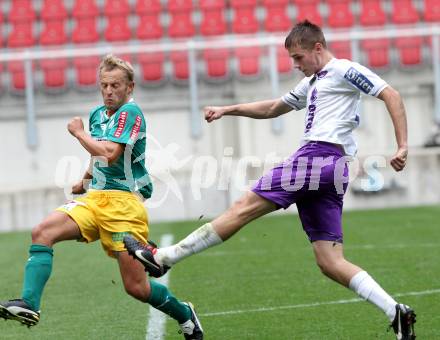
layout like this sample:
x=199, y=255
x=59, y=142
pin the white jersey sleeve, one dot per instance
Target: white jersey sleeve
x=297, y=98
x=360, y=78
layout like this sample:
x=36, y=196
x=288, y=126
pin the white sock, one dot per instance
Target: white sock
x=368, y=289
x=199, y=240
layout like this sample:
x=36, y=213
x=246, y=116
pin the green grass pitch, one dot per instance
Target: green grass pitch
x=264, y=280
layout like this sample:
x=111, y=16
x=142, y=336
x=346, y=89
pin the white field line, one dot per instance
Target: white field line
x=314, y=304
x=157, y=319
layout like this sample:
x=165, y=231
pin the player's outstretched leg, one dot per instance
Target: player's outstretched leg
x=403, y=323
x=145, y=254
x=20, y=311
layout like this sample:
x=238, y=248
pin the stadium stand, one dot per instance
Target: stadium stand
x=213, y=19
x=85, y=68
x=372, y=13
x=25, y=24
x=308, y=9
x=212, y=24
x=404, y=12
x=216, y=63
x=340, y=15
x=181, y=26
x=410, y=50
x=277, y=19
x=117, y=14
x=377, y=51
x=84, y=14
x=341, y=49
x=21, y=19
x=53, y=17
x=245, y=22
x=149, y=26
x=431, y=11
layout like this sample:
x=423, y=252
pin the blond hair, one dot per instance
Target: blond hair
x=110, y=62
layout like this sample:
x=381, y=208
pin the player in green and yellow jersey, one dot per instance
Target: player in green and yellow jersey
x=111, y=208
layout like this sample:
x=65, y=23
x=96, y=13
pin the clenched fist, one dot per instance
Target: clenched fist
x=398, y=161
x=213, y=112
x=75, y=126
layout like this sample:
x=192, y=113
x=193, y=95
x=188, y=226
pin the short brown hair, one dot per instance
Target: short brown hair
x=110, y=62
x=305, y=34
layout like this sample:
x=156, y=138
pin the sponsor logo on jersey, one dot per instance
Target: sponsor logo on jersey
x=311, y=109
x=121, y=124
x=136, y=127
x=359, y=80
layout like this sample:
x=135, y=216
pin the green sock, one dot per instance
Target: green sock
x=36, y=274
x=162, y=299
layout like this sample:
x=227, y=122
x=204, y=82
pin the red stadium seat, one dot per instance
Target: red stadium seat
x=86, y=70
x=148, y=7
x=1, y=33
x=377, y=52
x=53, y=16
x=85, y=9
x=54, y=71
x=117, y=29
x=410, y=50
x=340, y=14
x=21, y=18
x=85, y=13
x=216, y=63
x=149, y=26
x=117, y=13
x=53, y=10
x=54, y=33
x=404, y=12
x=245, y=20
x=85, y=31
x=284, y=61
x=17, y=75
x=372, y=13
x=21, y=10
x=152, y=66
x=341, y=49
x=432, y=10
x=213, y=18
x=308, y=9
x=276, y=19
x=181, y=25
x=116, y=7
x=248, y=60
x=179, y=60
x=22, y=35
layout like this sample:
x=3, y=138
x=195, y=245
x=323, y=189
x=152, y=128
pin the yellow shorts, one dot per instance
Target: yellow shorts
x=108, y=215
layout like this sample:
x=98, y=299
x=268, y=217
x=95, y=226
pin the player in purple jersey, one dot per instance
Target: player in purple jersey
x=315, y=177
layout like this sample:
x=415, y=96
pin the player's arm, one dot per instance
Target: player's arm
x=258, y=110
x=395, y=107
x=106, y=149
x=82, y=186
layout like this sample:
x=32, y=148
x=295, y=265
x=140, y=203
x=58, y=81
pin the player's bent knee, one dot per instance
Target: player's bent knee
x=137, y=291
x=40, y=234
x=327, y=267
